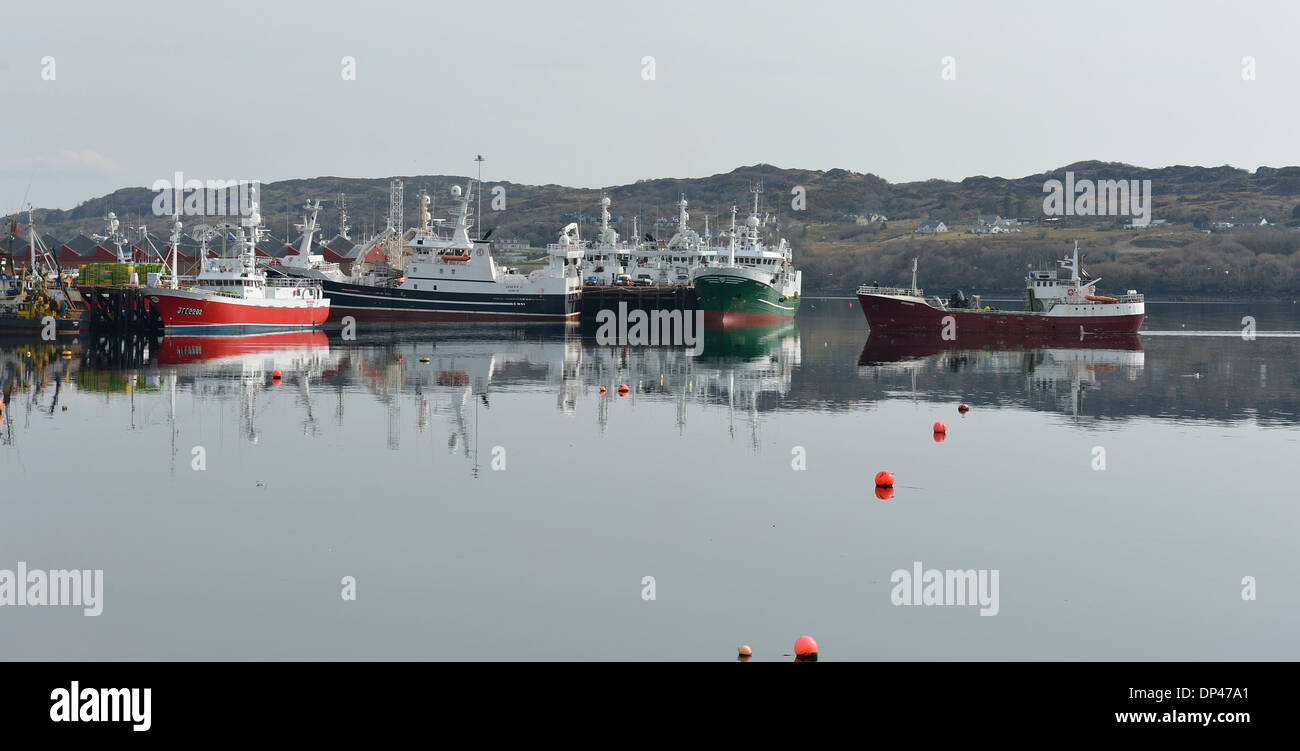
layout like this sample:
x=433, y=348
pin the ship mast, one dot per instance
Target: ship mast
x=396, y=194
x=731, y=259
x=478, y=214
x=176, y=238
x=461, y=232
x=308, y=229
x=424, y=213
x=253, y=222
x=344, y=228
x=31, y=241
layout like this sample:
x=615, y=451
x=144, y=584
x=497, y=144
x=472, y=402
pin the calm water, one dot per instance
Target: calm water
x=366, y=462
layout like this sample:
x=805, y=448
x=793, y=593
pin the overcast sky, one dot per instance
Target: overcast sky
x=554, y=92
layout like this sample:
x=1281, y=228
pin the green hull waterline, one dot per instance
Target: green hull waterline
x=726, y=294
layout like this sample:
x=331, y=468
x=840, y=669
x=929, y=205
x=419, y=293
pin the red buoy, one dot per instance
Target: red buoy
x=275, y=373
x=884, y=494
x=602, y=389
x=962, y=408
x=884, y=479
x=623, y=389
x=939, y=427
x=805, y=648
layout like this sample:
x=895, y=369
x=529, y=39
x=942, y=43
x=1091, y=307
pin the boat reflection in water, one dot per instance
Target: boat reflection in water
x=1061, y=367
x=252, y=354
x=747, y=369
x=243, y=366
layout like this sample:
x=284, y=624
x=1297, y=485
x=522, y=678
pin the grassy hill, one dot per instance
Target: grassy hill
x=837, y=253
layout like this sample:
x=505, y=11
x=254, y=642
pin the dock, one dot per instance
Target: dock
x=598, y=298
x=120, y=309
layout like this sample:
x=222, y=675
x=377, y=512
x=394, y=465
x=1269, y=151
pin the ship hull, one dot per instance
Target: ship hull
x=182, y=311
x=733, y=301
x=18, y=325
x=392, y=304
x=888, y=313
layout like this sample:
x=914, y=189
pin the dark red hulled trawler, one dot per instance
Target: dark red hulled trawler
x=1057, y=301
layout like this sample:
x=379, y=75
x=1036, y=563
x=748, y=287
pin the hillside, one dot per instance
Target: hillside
x=837, y=252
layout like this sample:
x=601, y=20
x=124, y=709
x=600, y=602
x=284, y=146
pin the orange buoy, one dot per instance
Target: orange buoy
x=939, y=427
x=623, y=389
x=805, y=648
x=745, y=652
x=940, y=436
x=884, y=479
x=602, y=389
x=963, y=408
x=884, y=494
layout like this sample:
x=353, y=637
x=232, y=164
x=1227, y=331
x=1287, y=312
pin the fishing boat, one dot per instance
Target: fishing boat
x=754, y=284
x=684, y=255
x=38, y=299
x=1058, y=300
x=306, y=264
x=232, y=295
x=446, y=276
x=606, y=259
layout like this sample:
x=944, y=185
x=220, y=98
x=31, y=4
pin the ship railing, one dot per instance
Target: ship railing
x=291, y=282
x=868, y=289
x=1130, y=298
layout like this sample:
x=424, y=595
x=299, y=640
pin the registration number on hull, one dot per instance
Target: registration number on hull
x=189, y=311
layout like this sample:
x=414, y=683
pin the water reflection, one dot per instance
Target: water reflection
x=1062, y=369
x=827, y=362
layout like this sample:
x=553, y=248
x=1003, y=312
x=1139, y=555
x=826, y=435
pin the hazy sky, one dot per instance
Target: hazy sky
x=553, y=92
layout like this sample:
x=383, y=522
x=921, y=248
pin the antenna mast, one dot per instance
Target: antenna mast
x=395, y=200
x=478, y=213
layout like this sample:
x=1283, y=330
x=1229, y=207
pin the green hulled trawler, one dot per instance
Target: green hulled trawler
x=752, y=284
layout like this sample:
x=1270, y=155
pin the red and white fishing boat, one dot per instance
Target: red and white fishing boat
x=231, y=295
x=1057, y=301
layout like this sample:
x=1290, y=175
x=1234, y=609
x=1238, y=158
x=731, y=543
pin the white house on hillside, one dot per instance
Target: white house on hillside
x=931, y=227
x=992, y=224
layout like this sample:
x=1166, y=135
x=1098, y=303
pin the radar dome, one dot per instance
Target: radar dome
x=455, y=191
x=753, y=221
x=604, y=201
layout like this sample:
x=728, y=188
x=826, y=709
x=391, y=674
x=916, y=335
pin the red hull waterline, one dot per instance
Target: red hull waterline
x=373, y=315
x=728, y=319
x=190, y=314
x=188, y=350
x=889, y=314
